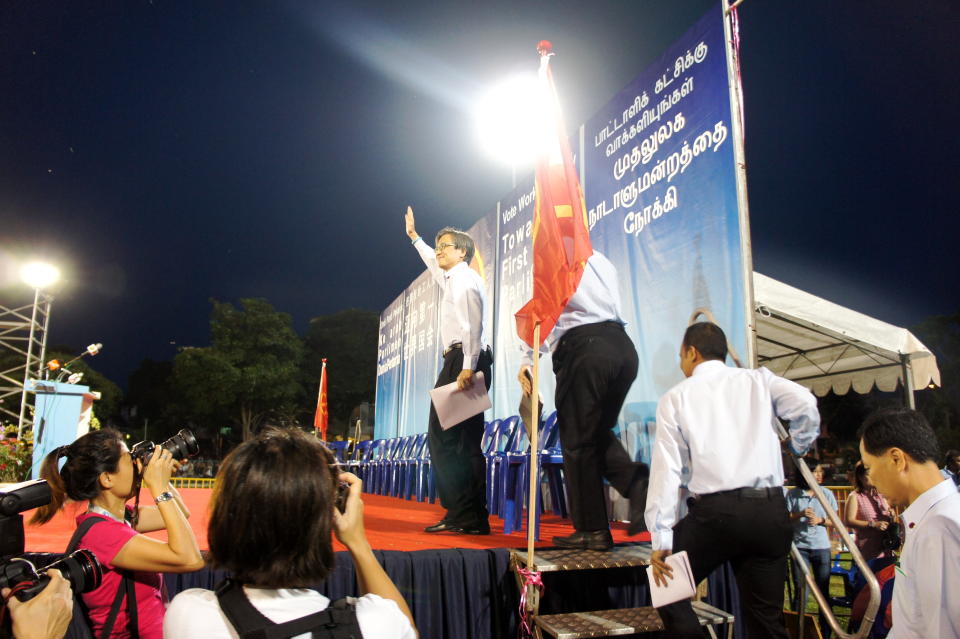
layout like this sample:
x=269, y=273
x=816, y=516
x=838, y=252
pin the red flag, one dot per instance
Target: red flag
x=322, y=417
x=561, y=238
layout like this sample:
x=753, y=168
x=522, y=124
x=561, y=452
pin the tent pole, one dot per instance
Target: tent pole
x=907, y=381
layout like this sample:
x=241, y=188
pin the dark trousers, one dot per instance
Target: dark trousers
x=455, y=453
x=819, y=561
x=753, y=533
x=595, y=365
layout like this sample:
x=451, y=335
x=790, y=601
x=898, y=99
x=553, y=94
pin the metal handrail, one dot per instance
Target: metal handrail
x=869, y=615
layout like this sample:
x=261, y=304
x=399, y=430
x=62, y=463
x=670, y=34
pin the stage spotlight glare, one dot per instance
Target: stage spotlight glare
x=511, y=118
x=39, y=275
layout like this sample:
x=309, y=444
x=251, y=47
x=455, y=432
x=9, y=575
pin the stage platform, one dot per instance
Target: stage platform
x=458, y=586
x=392, y=524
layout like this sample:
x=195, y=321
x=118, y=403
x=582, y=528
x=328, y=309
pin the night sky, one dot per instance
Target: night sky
x=164, y=152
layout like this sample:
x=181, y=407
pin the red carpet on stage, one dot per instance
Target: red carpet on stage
x=392, y=524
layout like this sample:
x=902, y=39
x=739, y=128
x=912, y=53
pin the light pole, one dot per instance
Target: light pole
x=39, y=276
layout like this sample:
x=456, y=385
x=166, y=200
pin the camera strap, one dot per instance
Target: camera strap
x=338, y=621
x=126, y=588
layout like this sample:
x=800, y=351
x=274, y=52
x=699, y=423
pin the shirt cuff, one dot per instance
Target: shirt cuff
x=662, y=540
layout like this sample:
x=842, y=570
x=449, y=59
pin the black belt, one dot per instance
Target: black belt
x=459, y=345
x=746, y=493
x=451, y=348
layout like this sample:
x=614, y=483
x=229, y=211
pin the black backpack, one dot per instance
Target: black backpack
x=125, y=589
x=338, y=621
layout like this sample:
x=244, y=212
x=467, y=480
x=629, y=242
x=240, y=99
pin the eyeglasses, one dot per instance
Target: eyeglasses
x=440, y=247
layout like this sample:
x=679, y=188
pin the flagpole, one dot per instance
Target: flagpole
x=534, y=424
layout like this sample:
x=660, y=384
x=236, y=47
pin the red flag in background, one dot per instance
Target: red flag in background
x=561, y=238
x=322, y=417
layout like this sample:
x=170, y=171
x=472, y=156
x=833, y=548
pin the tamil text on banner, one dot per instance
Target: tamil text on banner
x=662, y=205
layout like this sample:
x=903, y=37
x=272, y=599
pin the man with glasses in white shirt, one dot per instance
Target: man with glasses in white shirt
x=455, y=453
x=900, y=451
x=716, y=436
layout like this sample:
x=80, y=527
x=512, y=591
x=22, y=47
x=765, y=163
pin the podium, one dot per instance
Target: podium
x=62, y=414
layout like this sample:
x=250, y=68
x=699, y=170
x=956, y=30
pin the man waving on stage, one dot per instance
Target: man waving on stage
x=715, y=433
x=455, y=452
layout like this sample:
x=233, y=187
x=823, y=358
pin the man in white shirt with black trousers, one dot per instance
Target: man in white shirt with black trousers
x=595, y=364
x=716, y=434
x=455, y=453
x=900, y=452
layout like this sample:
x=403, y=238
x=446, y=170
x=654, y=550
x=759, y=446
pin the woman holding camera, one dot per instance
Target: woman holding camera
x=273, y=513
x=100, y=470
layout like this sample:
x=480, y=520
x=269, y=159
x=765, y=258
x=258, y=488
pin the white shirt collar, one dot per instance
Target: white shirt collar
x=915, y=512
x=709, y=366
x=450, y=271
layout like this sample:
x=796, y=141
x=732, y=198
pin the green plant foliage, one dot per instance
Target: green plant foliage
x=16, y=455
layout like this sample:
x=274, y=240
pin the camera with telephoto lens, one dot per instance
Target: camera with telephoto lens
x=181, y=446
x=80, y=568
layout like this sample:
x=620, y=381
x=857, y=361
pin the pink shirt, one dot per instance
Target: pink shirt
x=105, y=540
x=871, y=507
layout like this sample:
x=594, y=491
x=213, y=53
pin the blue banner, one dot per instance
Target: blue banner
x=421, y=353
x=662, y=205
x=389, y=357
x=484, y=234
x=660, y=188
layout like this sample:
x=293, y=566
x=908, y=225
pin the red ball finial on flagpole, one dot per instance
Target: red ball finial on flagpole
x=544, y=47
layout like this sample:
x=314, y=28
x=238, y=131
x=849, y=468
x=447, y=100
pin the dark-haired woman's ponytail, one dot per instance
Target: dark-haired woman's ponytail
x=50, y=470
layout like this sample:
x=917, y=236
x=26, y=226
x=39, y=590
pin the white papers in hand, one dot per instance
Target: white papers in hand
x=680, y=587
x=454, y=405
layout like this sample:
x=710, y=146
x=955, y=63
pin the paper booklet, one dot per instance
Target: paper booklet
x=680, y=587
x=454, y=405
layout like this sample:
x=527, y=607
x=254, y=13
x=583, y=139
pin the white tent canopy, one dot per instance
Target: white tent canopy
x=825, y=346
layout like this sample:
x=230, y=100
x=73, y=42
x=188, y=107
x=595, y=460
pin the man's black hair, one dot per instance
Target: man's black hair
x=901, y=428
x=708, y=339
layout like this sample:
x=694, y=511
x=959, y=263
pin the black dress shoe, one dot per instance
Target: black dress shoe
x=482, y=528
x=638, y=501
x=442, y=526
x=586, y=540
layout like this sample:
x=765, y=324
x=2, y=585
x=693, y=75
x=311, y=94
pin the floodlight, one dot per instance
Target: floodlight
x=39, y=275
x=511, y=118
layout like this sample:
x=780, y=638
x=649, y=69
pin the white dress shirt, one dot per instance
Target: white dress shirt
x=196, y=613
x=597, y=299
x=463, y=297
x=926, y=590
x=716, y=429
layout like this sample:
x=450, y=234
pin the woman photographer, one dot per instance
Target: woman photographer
x=272, y=516
x=99, y=469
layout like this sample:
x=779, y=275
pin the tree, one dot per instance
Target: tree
x=941, y=334
x=348, y=339
x=250, y=371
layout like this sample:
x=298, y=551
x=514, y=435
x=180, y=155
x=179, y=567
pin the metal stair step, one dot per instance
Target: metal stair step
x=556, y=559
x=625, y=621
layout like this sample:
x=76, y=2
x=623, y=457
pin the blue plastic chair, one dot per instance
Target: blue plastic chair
x=551, y=465
x=426, y=485
x=403, y=479
x=339, y=449
x=515, y=486
x=504, y=442
x=381, y=449
x=364, y=454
